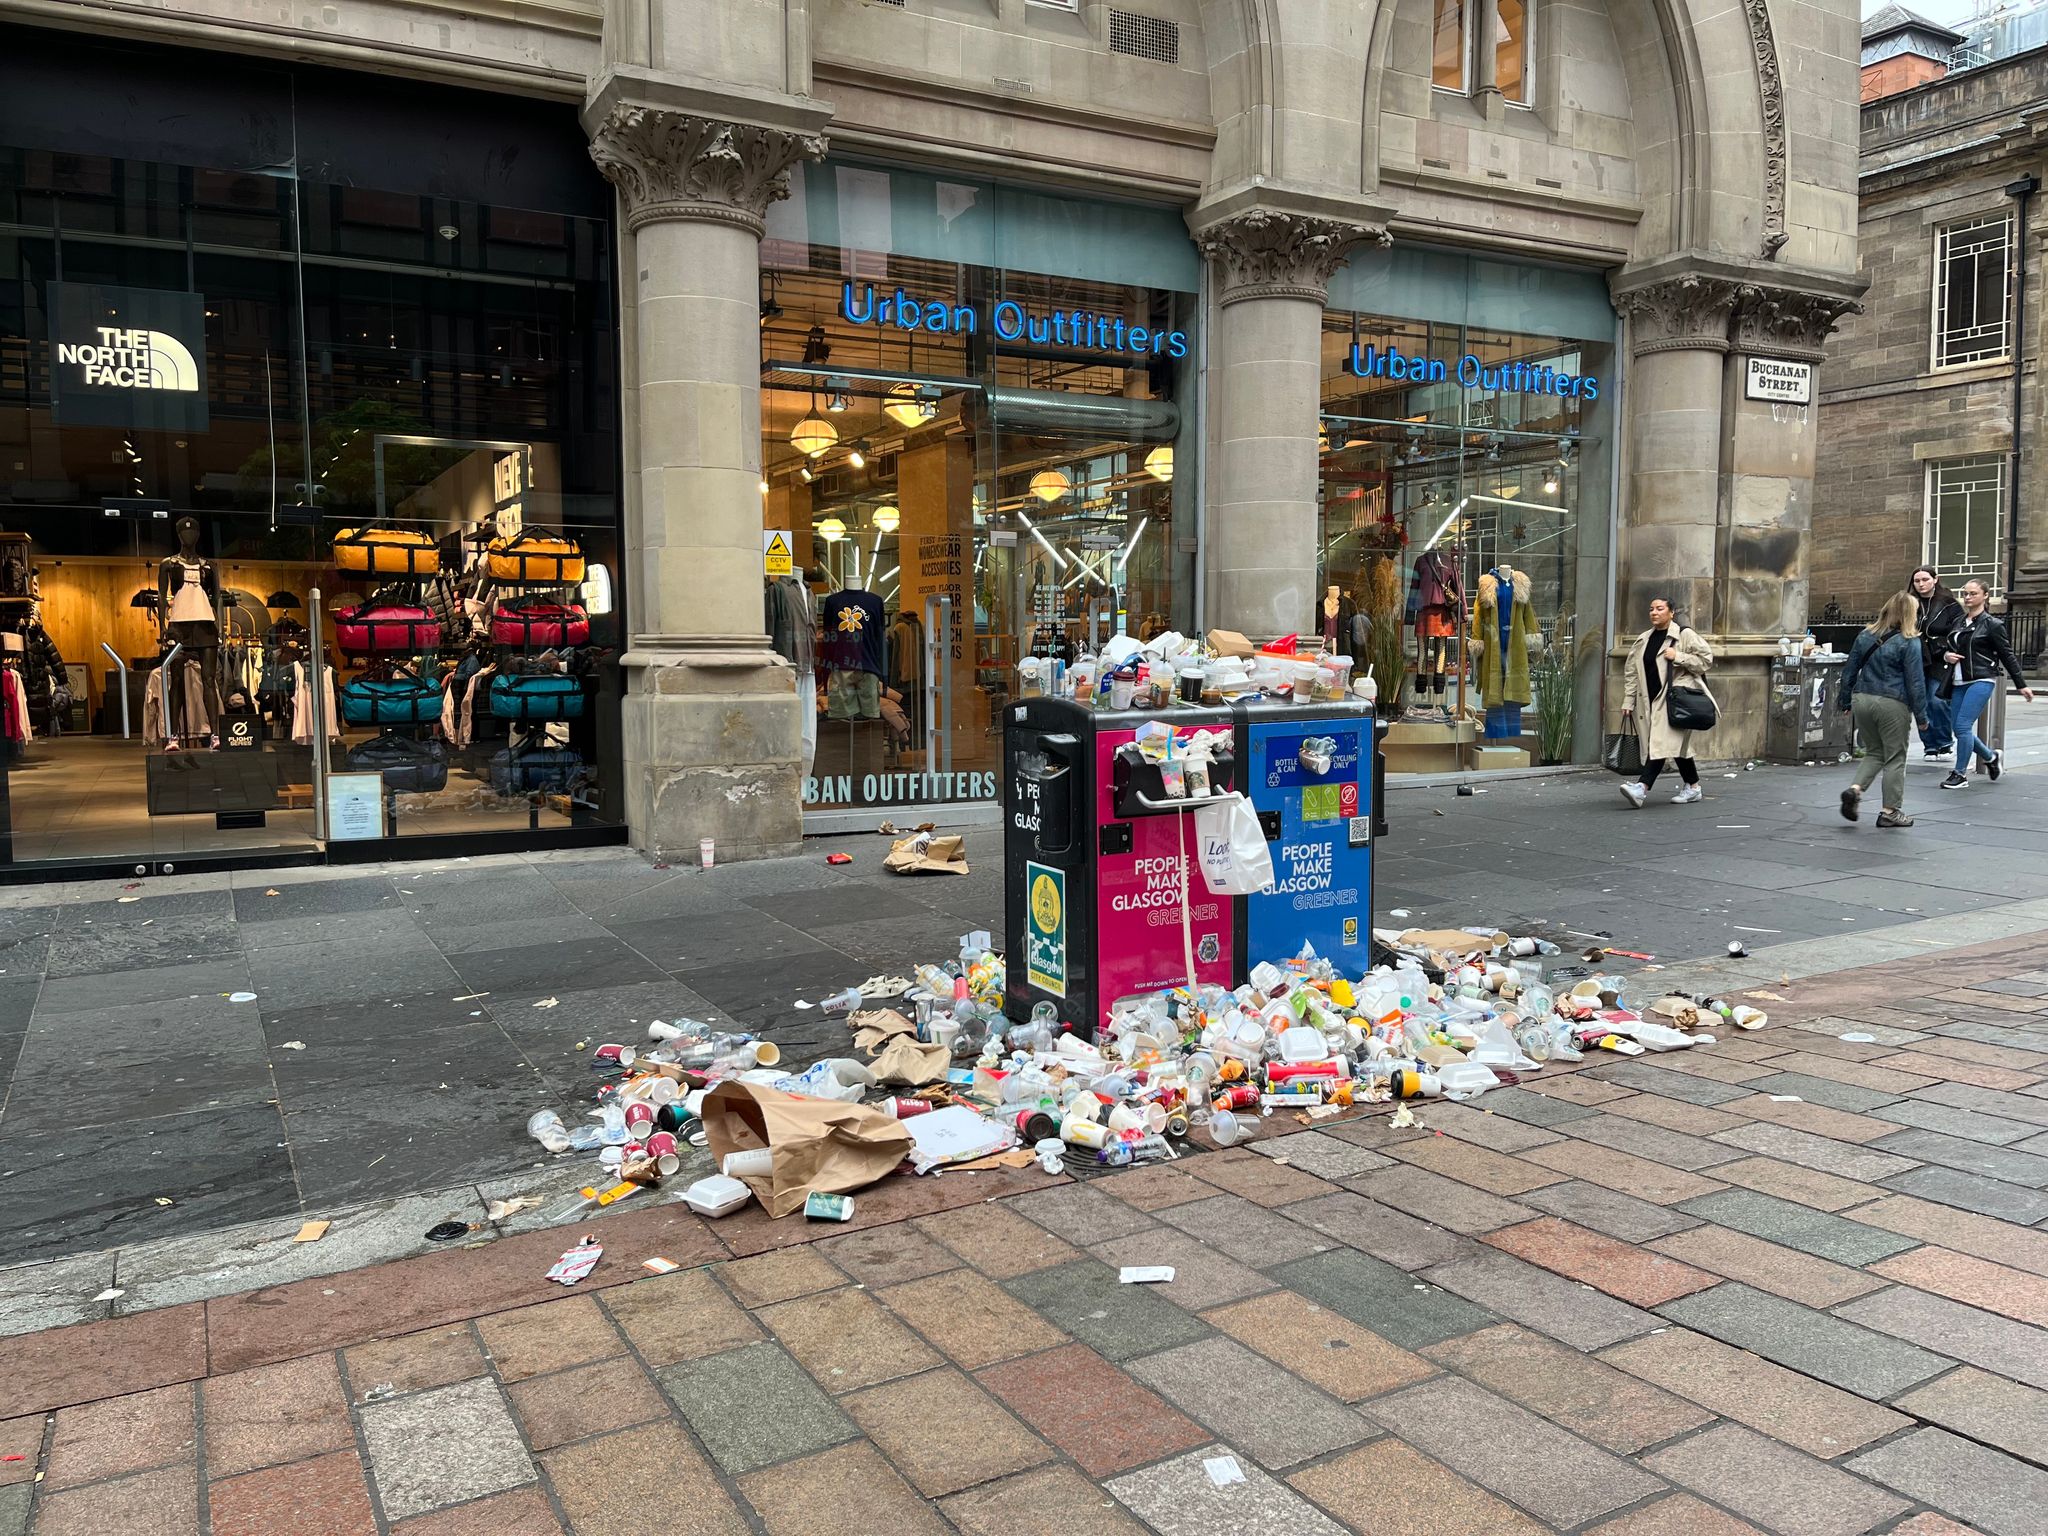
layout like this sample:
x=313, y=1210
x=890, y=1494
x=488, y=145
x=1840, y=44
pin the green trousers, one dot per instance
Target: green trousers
x=1886, y=726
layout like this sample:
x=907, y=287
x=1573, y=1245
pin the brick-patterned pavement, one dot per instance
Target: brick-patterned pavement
x=1788, y=1283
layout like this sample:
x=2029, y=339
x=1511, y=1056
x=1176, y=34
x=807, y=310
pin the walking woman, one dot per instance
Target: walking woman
x=1885, y=687
x=1666, y=655
x=1940, y=613
x=1976, y=651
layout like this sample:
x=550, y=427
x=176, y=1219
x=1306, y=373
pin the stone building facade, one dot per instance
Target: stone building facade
x=1918, y=455
x=1689, y=165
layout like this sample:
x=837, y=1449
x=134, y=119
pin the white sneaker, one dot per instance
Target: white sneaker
x=1688, y=795
x=1635, y=795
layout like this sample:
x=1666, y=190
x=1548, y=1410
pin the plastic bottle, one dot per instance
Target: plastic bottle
x=612, y=1126
x=842, y=1002
x=545, y=1127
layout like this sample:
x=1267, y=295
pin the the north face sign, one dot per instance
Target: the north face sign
x=127, y=357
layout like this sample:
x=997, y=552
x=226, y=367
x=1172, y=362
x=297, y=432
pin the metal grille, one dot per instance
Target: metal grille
x=1966, y=520
x=1972, y=262
x=1144, y=37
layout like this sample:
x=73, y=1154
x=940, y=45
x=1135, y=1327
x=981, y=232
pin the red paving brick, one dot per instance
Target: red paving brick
x=21, y=1438
x=1091, y=1410
x=522, y=1512
x=274, y=1414
x=127, y=1434
x=550, y=1337
x=590, y=1400
x=1954, y=1071
x=53, y=1369
x=160, y=1503
x=1620, y=1269
x=322, y=1497
x=1979, y=1282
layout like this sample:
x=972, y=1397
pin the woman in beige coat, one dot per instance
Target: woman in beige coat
x=1667, y=652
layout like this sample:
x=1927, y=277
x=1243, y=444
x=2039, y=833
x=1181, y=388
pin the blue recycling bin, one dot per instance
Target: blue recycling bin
x=1315, y=777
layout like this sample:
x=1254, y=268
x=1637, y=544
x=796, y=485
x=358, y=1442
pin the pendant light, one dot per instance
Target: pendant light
x=1050, y=485
x=911, y=405
x=831, y=530
x=888, y=518
x=814, y=434
x=1159, y=463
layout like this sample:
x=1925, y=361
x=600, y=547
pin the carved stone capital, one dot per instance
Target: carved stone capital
x=1685, y=313
x=1268, y=254
x=674, y=165
x=1786, y=321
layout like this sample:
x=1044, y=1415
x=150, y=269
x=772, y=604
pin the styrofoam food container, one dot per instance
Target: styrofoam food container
x=716, y=1195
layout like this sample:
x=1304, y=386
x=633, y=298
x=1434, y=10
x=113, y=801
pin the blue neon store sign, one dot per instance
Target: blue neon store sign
x=1008, y=320
x=1369, y=362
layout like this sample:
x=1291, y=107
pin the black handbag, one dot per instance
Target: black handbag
x=1689, y=709
x=1624, y=754
x=409, y=767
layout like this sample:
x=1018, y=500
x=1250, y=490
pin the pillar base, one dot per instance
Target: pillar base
x=712, y=747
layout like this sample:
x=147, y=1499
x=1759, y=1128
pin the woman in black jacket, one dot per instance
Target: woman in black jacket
x=1975, y=652
x=1940, y=613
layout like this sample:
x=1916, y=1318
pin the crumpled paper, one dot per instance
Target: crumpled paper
x=874, y=1027
x=909, y=1061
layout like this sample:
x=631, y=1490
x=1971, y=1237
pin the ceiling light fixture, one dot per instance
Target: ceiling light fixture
x=1050, y=485
x=888, y=518
x=816, y=348
x=911, y=405
x=857, y=455
x=814, y=434
x=1159, y=463
x=835, y=396
x=831, y=530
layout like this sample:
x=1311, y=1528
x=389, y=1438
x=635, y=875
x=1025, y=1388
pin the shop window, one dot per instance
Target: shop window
x=1965, y=521
x=1972, y=270
x=1513, y=49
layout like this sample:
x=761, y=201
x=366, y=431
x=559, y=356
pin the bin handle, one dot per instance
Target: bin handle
x=1181, y=805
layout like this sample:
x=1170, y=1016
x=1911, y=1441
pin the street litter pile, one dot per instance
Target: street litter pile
x=938, y=1077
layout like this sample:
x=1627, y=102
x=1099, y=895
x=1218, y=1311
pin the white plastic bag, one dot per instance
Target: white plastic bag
x=1235, y=858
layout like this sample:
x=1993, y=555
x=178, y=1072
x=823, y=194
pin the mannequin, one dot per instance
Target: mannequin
x=1436, y=599
x=188, y=592
x=1504, y=635
x=853, y=649
x=1332, y=602
x=793, y=631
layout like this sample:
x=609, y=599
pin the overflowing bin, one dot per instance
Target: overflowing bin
x=1104, y=898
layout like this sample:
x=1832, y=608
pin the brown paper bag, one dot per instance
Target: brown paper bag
x=928, y=855
x=818, y=1145
x=1451, y=941
x=875, y=1027
x=905, y=1060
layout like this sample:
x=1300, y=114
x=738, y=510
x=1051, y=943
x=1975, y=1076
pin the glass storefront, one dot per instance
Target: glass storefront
x=979, y=436
x=261, y=333
x=1467, y=498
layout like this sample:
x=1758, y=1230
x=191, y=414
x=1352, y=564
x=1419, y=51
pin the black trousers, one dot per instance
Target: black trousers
x=1687, y=770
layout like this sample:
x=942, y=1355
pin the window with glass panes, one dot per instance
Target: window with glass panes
x=1966, y=519
x=1971, y=264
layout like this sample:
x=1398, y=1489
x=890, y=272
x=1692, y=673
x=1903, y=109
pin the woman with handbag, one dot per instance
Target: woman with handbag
x=1977, y=651
x=1885, y=687
x=1664, y=695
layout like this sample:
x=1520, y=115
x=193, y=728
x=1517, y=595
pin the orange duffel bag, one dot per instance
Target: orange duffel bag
x=383, y=551
x=535, y=557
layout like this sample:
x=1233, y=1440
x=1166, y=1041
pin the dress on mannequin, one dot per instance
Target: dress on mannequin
x=1435, y=600
x=188, y=587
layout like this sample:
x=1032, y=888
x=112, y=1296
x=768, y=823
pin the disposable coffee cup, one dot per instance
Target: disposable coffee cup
x=707, y=851
x=754, y=1162
x=639, y=1119
x=667, y=1155
x=766, y=1053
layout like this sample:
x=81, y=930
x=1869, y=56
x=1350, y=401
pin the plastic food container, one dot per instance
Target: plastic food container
x=716, y=1195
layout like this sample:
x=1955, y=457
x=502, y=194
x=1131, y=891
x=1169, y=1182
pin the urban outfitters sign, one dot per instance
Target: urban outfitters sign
x=1370, y=362
x=127, y=357
x=1085, y=330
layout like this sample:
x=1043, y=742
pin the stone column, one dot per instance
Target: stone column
x=1271, y=272
x=1769, y=490
x=712, y=742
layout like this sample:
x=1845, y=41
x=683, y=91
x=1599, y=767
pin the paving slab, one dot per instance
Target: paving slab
x=1990, y=1490
x=1672, y=1149
x=444, y=1446
x=787, y=1498
x=1973, y=1192
x=1400, y=1239
x=1609, y=1211
x=1244, y=1230
x=1960, y=1332
x=1178, y=1498
x=944, y=1432
x=1981, y=1406
x=1856, y=1359
x=1511, y=1452
x=1847, y=1160
x=2014, y=1167
x=1392, y=1489
x=1775, y=1486
x=1115, y=1320
x=754, y=1405
x=1769, y=1267
x=1797, y=1226
x=604, y=1484
x=1802, y=1186
x=1327, y=1157
x=1564, y=1309
x=1623, y=1270
x=1094, y=1412
x=1252, y=1403
x=1401, y=1308
x=1605, y=1405
x=1044, y=1499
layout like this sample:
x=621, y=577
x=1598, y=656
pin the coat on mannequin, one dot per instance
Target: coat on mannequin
x=188, y=593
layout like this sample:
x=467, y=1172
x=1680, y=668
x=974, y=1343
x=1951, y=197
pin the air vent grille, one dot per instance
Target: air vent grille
x=1144, y=37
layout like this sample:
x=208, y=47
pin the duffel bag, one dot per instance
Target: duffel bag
x=376, y=627
x=402, y=700
x=534, y=557
x=547, y=697
x=380, y=551
x=531, y=623
x=409, y=767
x=530, y=772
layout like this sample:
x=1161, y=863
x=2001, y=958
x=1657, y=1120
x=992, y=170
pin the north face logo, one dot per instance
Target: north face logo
x=125, y=359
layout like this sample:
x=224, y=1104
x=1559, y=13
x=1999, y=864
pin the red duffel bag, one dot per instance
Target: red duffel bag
x=532, y=622
x=386, y=627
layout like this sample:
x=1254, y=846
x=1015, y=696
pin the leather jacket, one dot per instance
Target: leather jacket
x=1983, y=645
x=1936, y=625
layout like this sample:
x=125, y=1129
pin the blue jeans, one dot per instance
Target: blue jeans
x=1965, y=704
x=1940, y=735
